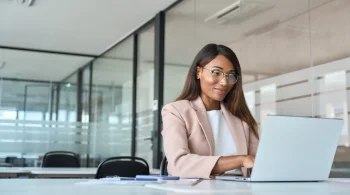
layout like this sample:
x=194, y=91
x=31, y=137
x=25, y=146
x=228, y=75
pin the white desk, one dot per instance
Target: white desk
x=61, y=172
x=39, y=172
x=68, y=187
x=67, y=172
x=6, y=165
x=6, y=172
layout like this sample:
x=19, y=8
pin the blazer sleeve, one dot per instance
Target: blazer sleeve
x=180, y=160
x=253, y=143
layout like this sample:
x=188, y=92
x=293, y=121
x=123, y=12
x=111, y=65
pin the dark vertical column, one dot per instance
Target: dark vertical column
x=134, y=95
x=79, y=95
x=25, y=101
x=90, y=116
x=58, y=90
x=158, y=87
x=90, y=92
x=52, y=91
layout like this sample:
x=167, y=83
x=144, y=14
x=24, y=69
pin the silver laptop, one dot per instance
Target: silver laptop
x=294, y=149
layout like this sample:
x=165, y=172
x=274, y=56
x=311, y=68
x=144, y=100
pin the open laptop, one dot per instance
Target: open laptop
x=294, y=149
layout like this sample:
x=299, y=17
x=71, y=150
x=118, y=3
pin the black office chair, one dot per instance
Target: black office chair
x=122, y=166
x=60, y=159
x=164, y=166
x=14, y=161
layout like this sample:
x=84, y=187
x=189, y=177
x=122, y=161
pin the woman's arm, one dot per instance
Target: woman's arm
x=226, y=163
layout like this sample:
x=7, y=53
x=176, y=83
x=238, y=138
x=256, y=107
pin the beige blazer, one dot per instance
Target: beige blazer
x=189, y=141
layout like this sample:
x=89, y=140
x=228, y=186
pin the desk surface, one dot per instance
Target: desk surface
x=68, y=187
x=5, y=165
x=39, y=170
x=62, y=172
x=53, y=172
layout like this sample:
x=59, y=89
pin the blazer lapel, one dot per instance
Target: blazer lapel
x=236, y=128
x=203, y=120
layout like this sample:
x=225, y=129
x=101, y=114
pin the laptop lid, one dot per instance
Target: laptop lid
x=296, y=148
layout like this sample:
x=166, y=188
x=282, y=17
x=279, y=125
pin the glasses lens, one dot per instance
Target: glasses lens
x=232, y=78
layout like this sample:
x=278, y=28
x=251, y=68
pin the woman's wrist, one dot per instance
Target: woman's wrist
x=241, y=160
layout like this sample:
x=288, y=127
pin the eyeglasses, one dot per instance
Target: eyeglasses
x=218, y=75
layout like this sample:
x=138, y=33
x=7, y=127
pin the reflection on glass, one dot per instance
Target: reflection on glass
x=267, y=101
x=111, y=107
x=145, y=92
x=250, y=99
x=68, y=100
x=330, y=43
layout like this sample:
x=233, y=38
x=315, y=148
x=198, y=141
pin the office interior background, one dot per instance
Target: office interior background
x=71, y=79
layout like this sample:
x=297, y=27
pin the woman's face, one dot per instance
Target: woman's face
x=217, y=78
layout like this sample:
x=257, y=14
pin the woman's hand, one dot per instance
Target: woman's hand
x=248, y=161
x=226, y=163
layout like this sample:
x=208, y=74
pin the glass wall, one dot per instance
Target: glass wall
x=33, y=120
x=145, y=94
x=294, y=56
x=68, y=99
x=330, y=58
x=111, y=108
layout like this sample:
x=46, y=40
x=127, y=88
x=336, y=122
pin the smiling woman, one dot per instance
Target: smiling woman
x=209, y=129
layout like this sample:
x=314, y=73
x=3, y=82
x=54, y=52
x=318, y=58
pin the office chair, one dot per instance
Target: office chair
x=60, y=159
x=15, y=162
x=122, y=166
x=164, y=166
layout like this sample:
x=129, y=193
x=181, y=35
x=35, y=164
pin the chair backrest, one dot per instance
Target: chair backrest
x=60, y=159
x=14, y=161
x=164, y=166
x=122, y=166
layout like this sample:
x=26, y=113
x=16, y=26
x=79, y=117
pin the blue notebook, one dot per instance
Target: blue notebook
x=156, y=177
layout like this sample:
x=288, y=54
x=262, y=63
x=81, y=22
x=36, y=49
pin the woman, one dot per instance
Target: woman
x=209, y=129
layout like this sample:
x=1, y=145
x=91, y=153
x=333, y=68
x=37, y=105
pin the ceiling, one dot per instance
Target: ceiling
x=86, y=27
x=79, y=26
x=38, y=66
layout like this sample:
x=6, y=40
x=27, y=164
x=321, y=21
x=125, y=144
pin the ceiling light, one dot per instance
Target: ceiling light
x=24, y=2
x=30, y=2
x=239, y=11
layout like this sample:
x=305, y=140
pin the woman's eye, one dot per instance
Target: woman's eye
x=216, y=73
x=231, y=76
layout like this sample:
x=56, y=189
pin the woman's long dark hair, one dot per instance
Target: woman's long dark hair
x=235, y=98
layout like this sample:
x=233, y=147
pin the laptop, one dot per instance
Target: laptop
x=294, y=149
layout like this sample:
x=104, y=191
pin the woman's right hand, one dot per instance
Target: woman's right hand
x=248, y=161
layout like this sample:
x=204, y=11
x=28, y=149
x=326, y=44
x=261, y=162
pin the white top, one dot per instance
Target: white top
x=223, y=140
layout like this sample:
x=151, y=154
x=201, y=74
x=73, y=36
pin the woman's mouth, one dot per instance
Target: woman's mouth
x=220, y=91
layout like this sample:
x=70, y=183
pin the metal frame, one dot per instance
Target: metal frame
x=134, y=95
x=79, y=95
x=58, y=92
x=158, y=87
x=90, y=114
x=51, y=101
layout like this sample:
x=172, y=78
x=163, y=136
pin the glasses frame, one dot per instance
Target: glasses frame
x=224, y=75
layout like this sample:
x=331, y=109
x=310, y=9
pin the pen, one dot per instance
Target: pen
x=195, y=183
